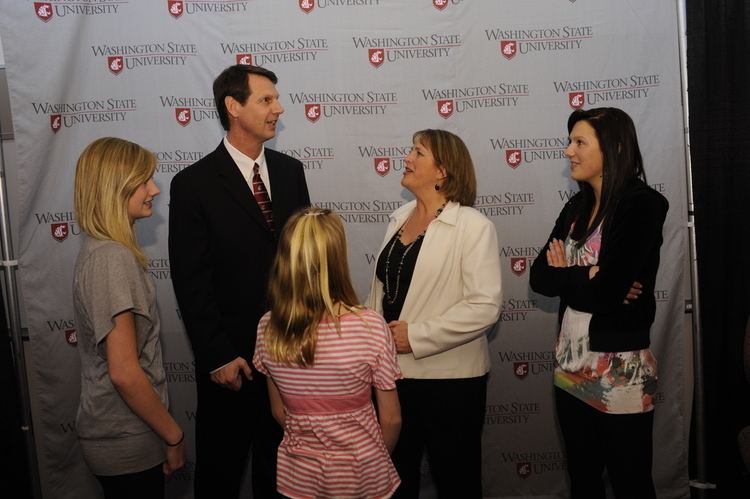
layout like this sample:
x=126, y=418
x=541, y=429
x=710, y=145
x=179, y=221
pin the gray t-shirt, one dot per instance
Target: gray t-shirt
x=107, y=281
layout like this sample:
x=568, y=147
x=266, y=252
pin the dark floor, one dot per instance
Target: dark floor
x=13, y=464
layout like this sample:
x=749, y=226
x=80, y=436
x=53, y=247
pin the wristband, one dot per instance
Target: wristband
x=178, y=442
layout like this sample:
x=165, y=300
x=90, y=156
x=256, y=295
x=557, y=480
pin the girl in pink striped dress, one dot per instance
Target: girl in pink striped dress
x=323, y=354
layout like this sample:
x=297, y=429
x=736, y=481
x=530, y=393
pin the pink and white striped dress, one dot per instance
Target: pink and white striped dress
x=332, y=445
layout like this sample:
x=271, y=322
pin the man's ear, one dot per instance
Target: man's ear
x=232, y=106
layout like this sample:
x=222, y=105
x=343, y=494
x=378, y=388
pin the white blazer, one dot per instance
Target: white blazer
x=454, y=297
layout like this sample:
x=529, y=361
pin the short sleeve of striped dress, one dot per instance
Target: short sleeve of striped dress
x=260, y=345
x=385, y=370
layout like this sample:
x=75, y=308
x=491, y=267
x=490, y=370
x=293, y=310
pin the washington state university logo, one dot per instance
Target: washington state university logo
x=245, y=59
x=440, y=4
x=523, y=469
x=376, y=56
x=521, y=369
x=518, y=265
x=445, y=107
x=508, y=48
x=312, y=112
x=528, y=40
x=55, y=122
x=183, y=115
x=576, y=99
x=382, y=166
x=306, y=5
x=175, y=7
x=43, y=10
x=71, y=336
x=59, y=231
x=115, y=64
x=513, y=157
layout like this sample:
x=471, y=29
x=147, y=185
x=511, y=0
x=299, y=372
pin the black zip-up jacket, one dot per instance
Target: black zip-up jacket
x=631, y=240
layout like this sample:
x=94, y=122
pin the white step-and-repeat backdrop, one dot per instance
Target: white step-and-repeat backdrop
x=357, y=78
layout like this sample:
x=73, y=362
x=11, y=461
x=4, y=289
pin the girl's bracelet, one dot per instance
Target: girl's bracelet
x=178, y=442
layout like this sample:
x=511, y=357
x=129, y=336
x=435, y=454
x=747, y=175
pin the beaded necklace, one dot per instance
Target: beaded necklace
x=392, y=299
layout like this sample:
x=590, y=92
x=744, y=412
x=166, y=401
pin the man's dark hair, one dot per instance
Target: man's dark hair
x=233, y=82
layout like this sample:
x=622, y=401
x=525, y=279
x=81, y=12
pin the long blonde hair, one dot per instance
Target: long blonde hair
x=108, y=172
x=310, y=275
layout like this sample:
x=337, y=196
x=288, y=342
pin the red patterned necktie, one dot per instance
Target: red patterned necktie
x=261, y=196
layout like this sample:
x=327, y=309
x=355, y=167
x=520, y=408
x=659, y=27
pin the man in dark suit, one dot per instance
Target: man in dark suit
x=225, y=213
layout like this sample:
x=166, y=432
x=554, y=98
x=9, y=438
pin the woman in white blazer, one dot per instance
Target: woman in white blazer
x=437, y=283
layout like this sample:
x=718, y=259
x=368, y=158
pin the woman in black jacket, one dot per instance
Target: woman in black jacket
x=602, y=254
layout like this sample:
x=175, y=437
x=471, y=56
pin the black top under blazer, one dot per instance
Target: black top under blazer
x=631, y=240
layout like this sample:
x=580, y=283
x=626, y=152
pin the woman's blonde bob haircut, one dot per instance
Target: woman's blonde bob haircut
x=451, y=154
x=309, y=281
x=107, y=174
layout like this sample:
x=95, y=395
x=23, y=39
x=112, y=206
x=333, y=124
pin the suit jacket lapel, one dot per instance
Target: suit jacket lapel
x=285, y=189
x=236, y=185
x=277, y=177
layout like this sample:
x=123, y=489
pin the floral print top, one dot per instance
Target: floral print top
x=611, y=382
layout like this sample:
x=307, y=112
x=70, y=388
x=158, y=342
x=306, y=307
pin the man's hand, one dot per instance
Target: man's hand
x=230, y=376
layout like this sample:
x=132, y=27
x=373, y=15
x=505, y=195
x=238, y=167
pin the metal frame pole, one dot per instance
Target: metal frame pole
x=700, y=482
x=10, y=267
